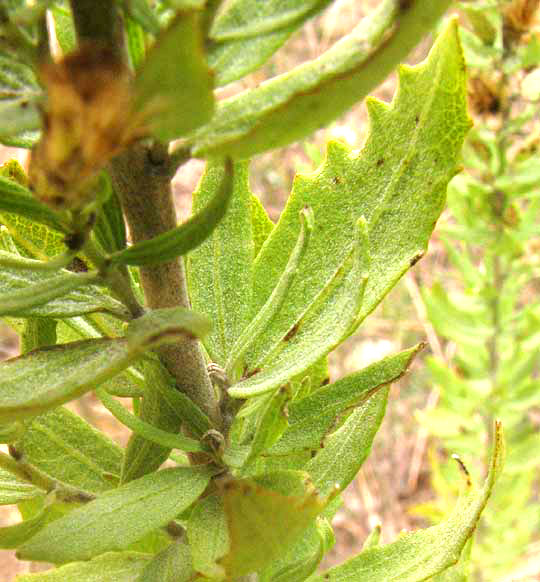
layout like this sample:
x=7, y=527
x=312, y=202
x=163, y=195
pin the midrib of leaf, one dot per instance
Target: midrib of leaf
x=413, y=147
x=75, y=453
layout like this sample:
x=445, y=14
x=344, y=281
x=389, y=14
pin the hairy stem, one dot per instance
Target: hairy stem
x=142, y=178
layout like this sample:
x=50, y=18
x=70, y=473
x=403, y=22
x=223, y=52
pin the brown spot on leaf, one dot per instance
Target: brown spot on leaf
x=292, y=332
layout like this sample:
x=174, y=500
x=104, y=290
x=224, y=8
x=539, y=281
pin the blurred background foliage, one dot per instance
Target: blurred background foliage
x=474, y=298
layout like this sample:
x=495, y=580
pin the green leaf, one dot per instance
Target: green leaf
x=183, y=238
x=32, y=384
x=72, y=451
x=247, y=33
x=258, y=325
x=110, y=567
x=272, y=423
x=13, y=536
x=417, y=556
x=29, y=288
x=147, y=431
x=373, y=539
x=345, y=450
x=208, y=536
x=301, y=101
x=38, y=332
x=165, y=408
x=317, y=330
x=386, y=183
x=19, y=97
x=141, y=12
x=311, y=418
x=119, y=517
x=16, y=199
x=64, y=27
x=261, y=224
x=14, y=490
x=166, y=325
x=459, y=572
x=173, y=564
x=110, y=229
x=265, y=518
x=174, y=84
x=219, y=270
x=301, y=560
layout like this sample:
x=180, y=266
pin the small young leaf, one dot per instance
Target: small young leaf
x=119, y=517
x=345, y=451
x=185, y=237
x=110, y=567
x=72, y=451
x=316, y=332
x=311, y=418
x=29, y=288
x=13, y=490
x=373, y=539
x=219, y=270
x=264, y=521
x=301, y=101
x=64, y=27
x=173, y=564
x=417, y=556
x=147, y=431
x=174, y=83
x=208, y=536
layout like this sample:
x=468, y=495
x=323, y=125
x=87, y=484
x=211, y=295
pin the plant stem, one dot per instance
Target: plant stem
x=142, y=177
x=97, y=21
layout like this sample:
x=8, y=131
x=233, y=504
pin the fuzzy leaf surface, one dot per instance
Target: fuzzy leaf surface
x=316, y=331
x=311, y=418
x=67, y=448
x=16, y=199
x=119, y=517
x=220, y=269
x=19, y=94
x=173, y=564
x=13, y=490
x=397, y=182
x=346, y=449
x=27, y=290
x=417, y=556
x=297, y=103
x=110, y=567
x=247, y=33
x=174, y=82
x=45, y=378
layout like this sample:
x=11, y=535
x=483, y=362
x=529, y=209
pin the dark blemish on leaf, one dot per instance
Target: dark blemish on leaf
x=292, y=332
x=325, y=382
x=336, y=180
x=248, y=374
x=24, y=104
x=415, y=259
x=404, y=5
x=380, y=162
x=416, y=119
